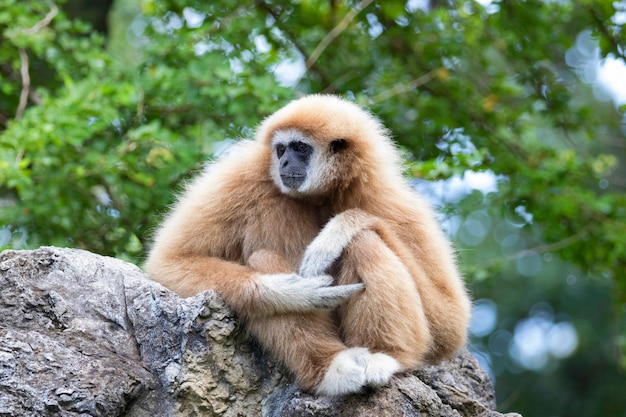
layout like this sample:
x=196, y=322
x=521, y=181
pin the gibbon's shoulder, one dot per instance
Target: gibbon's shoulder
x=244, y=156
x=240, y=169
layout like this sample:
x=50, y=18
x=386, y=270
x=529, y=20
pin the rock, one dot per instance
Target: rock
x=87, y=335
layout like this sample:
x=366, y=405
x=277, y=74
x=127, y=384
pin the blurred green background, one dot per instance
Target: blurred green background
x=511, y=115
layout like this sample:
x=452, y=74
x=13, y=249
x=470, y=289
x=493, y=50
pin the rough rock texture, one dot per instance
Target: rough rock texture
x=86, y=335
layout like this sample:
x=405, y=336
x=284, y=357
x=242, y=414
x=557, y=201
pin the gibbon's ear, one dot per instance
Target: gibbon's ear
x=338, y=145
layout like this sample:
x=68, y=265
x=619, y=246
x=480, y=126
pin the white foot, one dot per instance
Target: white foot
x=380, y=369
x=355, y=368
x=346, y=373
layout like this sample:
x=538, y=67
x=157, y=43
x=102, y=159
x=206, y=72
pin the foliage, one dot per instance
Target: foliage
x=95, y=161
x=95, y=139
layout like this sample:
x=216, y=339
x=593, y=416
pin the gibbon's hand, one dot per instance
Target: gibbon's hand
x=328, y=245
x=318, y=258
x=292, y=292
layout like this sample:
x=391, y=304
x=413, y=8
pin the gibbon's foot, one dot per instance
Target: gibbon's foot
x=380, y=369
x=291, y=292
x=355, y=368
x=346, y=373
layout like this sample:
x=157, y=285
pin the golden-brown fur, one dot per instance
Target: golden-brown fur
x=238, y=231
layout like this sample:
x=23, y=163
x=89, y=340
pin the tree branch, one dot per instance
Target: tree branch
x=25, y=84
x=548, y=247
x=600, y=22
x=54, y=10
x=24, y=72
x=404, y=88
x=333, y=34
x=293, y=40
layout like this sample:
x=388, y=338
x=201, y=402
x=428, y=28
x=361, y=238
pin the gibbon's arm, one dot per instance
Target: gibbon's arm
x=247, y=291
x=197, y=247
x=430, y=260
x=337, y=234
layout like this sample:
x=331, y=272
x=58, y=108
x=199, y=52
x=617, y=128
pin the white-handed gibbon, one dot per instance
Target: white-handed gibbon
x=311, y=233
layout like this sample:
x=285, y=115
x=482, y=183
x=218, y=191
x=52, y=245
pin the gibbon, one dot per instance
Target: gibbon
x=312, y=235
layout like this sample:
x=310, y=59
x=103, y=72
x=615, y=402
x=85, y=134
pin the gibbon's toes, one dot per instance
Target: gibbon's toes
x=380, y=368
x=346, y=373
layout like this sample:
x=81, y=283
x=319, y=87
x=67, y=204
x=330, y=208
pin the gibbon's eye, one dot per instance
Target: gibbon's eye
x=280, y=150
x=300, y=147
x=337, y=145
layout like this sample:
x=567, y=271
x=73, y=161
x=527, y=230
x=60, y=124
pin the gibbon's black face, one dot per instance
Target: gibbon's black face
x=303, y=166
x=293, y=162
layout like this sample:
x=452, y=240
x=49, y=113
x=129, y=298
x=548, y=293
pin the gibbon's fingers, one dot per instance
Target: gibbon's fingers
x=285, y=293
x=328, y=245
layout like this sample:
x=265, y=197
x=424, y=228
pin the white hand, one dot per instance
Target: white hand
x=292, y=292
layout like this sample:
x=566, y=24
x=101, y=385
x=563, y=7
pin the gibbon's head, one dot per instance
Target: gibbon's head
x=321, y=144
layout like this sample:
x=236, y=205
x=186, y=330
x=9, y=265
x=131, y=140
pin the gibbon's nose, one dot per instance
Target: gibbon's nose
x=292, y=164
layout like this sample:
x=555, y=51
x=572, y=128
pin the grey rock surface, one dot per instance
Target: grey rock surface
x=87, y=335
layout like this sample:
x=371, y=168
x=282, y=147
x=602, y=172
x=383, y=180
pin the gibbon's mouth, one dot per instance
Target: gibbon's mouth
x=292, y=180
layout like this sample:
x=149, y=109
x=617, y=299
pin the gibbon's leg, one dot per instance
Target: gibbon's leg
x=388, y=316
x=305, y=343
x=308, y=344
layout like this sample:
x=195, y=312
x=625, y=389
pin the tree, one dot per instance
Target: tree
x=93, y=144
